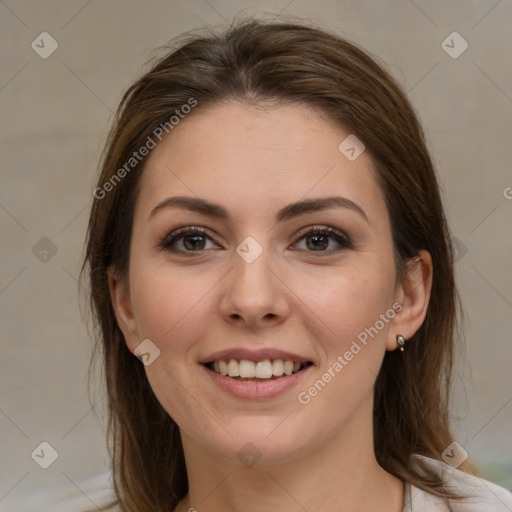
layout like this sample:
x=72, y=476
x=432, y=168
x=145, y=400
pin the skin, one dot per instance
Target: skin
x=254, y=161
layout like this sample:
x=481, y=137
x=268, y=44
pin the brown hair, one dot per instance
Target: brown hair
x=255, y=61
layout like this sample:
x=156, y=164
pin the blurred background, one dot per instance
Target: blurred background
x=64, y=67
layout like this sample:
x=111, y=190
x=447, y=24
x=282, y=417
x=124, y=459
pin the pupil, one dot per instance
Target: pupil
x=319, y=241
x=194, y=242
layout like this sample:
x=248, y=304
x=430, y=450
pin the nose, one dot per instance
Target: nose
x=254, y=295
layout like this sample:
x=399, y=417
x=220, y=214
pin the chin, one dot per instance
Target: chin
x=260, y=441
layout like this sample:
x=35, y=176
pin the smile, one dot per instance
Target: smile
x=256, y=380
x=258, y=370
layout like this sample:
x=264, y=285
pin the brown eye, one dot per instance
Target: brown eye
x=315, y=242
x=325, y=240
x=190, y=239
x=193, y=242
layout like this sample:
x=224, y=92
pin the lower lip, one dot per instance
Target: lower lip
x=253, y=389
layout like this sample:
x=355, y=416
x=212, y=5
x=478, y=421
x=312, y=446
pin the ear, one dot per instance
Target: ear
x=122, y=305
x=413, y=293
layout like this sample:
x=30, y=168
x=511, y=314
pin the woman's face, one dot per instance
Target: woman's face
x=262, y=281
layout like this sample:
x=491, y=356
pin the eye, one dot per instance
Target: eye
x=188, y=239
x=322, y=238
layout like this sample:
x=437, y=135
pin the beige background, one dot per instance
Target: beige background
x=55, y=113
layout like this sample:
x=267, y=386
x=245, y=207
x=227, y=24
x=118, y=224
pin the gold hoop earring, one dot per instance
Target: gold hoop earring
x=401, y=341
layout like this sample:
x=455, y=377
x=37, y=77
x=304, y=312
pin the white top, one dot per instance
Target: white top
x=488, y=497
x=97, y=492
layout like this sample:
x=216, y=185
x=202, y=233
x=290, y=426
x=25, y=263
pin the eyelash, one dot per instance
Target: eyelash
x=170, y=239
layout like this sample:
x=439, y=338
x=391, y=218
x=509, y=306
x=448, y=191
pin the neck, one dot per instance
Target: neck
x=340, y=473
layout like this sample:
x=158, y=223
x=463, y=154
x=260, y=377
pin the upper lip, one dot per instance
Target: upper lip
x=254, y=355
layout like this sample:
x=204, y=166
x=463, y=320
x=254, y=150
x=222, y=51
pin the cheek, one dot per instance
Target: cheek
x=357, y=308
x=171, y=311
x=162, y=300
x=350, y=303
x=168, y=305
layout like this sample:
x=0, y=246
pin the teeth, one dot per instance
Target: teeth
x=247, y=369
x=264, y=369
x=277, y=368
x=233, y=370
x=223, y=368
x=261, y=370
x=288, y=367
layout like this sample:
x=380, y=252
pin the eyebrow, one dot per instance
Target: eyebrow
x=290, y=211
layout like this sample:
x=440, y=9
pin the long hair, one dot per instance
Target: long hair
x=256, y=61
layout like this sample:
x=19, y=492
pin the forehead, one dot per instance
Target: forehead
x=245, y=155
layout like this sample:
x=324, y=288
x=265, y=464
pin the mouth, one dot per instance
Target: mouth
x=256, y=371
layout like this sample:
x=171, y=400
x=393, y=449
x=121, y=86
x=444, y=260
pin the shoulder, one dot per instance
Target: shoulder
x=482, y=494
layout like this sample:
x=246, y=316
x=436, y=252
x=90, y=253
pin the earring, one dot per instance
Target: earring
x=401, y=341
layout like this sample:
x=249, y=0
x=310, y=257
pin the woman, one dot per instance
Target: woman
x=272, y=278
